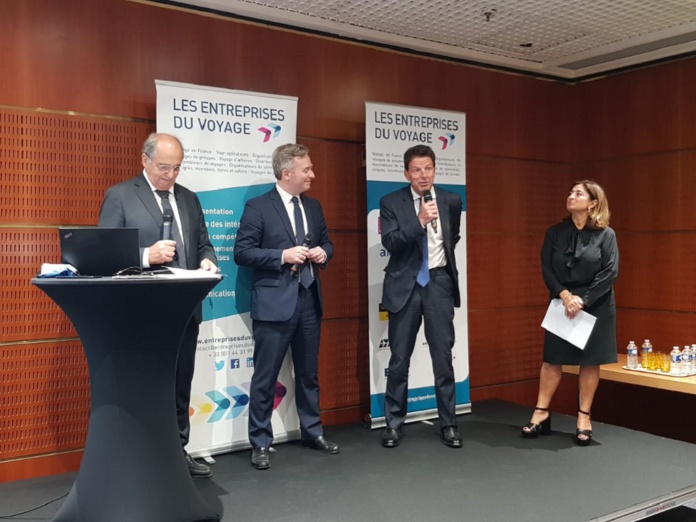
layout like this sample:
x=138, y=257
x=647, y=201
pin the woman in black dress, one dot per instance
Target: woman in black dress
x=579, y=263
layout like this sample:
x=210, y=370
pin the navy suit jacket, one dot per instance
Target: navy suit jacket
x=264, y=232
x=402, y=234
x=133, y=204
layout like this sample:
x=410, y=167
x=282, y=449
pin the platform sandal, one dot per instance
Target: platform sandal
x=583, y=437
x=532, y=430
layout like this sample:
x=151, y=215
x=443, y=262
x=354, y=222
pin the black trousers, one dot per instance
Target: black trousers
x=185, y=366
x=433, y=304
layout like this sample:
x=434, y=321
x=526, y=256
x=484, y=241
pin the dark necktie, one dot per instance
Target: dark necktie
x=180, y=255
x=423, y=277
x=305, y=272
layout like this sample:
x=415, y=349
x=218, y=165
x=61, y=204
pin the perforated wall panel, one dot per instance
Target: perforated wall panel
x=45, y=398
x=506, y=345
x=343, y=364
x=28, y=314
x=55, y=168
x=340, y=183
x=344, y=281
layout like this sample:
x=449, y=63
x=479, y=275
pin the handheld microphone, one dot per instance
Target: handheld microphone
x=167, y=218
x=306, y=242
x=428, y=197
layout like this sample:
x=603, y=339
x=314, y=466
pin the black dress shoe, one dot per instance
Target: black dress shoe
x=197, y=469
x=391, y=438
x=261, y=458
x=451, y=437
x=321, y=444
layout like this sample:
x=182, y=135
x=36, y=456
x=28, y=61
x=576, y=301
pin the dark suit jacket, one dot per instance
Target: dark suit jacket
x=264, y=232
x=401, y=236
x=133, y=204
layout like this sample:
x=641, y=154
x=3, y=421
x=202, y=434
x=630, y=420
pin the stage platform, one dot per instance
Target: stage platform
x=497, y=476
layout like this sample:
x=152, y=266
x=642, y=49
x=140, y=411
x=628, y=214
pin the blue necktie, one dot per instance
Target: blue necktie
x=305, y=272
x=423, y=277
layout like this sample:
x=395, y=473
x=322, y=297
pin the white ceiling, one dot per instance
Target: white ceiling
x=569, y=40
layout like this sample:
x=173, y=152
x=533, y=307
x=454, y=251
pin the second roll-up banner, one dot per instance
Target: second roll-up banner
x=390, y=130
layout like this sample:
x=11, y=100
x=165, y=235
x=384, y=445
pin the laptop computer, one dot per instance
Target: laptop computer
x=99, y=251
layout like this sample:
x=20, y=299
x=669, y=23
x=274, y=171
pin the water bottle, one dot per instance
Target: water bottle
x=644, y=351
x=686, y=361
x=632, y=356
x=675, y=361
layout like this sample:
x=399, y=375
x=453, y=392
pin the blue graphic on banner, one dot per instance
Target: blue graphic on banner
x=223, y=209
x=420, y=399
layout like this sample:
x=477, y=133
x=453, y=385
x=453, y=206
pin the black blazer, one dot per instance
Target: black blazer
x=401, y=236
x=133, y=204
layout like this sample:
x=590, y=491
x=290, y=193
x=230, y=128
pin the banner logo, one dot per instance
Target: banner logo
x=447, y=140
x=271, y=130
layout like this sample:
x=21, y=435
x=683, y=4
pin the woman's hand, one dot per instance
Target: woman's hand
x=573, y=304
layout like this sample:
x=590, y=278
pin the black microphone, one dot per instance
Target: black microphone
x=306, y=242
x=168, y=218
x=428, y=197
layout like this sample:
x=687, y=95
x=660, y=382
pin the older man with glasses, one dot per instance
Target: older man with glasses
x=151, y=202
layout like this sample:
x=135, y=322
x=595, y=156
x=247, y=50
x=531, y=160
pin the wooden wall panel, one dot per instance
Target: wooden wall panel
x=102, y=57
x=340, y=183
x=45, y=398
x=664, y=328
x=56, y=167
x=656, y=271
x=28, y=314
x=645, y=111
x=505, y=345
x=504, y=271
x=343, y=363
x=647, y=192
x=344, y=281
x=505, y=195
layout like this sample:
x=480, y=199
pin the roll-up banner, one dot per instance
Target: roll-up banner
x=228, y=138
x=390, y=130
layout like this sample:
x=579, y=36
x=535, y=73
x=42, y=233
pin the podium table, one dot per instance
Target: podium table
x=133, y=468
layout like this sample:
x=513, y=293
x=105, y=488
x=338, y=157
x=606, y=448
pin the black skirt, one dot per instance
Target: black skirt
x=600, y=347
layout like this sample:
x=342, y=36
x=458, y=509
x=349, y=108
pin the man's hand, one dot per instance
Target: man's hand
x=428, y=212
x=209, y=266
x=317, y=255
x=296, y=255
x=162, y=252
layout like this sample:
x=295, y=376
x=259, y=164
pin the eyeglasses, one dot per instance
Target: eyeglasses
x=164, y=167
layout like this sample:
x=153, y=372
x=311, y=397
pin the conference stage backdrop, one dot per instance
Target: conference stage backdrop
x=228, y=138
x=390, y=130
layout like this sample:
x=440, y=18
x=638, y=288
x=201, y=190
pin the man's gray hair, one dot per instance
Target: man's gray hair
x=284, y=157
x=150, y=145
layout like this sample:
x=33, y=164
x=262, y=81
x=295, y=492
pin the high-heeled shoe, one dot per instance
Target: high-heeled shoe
x=583, y=437
x=532, y=429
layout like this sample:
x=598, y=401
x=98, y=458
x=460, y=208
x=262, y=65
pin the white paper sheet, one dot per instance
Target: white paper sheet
x=576, y=331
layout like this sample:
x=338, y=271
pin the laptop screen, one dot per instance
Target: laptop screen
x=100, y=251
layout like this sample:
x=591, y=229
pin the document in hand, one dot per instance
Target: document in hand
x=576, y=331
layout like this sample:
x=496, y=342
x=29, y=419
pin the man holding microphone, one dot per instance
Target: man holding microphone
x=172, y=232
x=420, y=228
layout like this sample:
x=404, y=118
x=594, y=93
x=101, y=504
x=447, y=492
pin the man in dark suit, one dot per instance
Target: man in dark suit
x=142, y=202
x=283, y=236
x=420, y=228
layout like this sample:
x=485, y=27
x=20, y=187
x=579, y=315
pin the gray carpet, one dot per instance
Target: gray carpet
x=496, y=476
